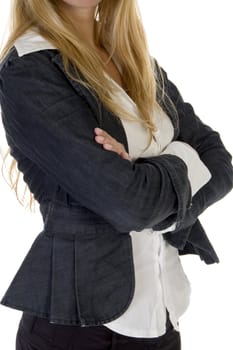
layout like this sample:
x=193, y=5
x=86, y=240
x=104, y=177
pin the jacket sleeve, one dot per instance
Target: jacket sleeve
x=208, y=143
x=198, y=173
x=54, y=127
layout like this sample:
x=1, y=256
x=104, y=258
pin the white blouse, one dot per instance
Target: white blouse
x=160, y=281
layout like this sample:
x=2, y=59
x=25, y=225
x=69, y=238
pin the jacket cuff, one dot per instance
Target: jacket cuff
x=198, y=173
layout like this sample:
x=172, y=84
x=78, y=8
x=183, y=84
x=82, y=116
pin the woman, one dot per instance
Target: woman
x=80, y=95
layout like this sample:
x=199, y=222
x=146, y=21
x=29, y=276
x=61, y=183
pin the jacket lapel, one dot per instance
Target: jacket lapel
x=106, y=119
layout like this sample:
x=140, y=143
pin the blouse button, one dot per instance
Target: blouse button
x=151, y=232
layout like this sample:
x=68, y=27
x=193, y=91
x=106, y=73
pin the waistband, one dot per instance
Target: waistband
x=51, y=330
x=69, y=222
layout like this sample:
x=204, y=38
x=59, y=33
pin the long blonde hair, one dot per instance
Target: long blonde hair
x=118, y=27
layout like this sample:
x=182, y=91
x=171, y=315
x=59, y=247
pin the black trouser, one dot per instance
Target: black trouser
x=35, y=333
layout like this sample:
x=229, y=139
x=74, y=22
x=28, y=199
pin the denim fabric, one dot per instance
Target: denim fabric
x=79, y=269
x=190, y=236
x=76, y=272
x=55, y=128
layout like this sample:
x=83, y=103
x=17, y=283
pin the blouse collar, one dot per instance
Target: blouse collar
x=31, y=41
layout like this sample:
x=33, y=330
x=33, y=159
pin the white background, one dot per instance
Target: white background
x=192, y=41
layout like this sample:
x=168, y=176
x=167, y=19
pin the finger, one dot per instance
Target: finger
x=109, y=142
x=125, y=155
x=99, y=138
x=115, y=147
x=109, y=146
x=107, y=139
x=103, y=133
x=98, y=131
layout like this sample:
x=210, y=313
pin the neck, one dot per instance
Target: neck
x=83, y=20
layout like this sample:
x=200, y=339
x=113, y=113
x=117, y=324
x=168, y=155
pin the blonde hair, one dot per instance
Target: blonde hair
x=117, y=27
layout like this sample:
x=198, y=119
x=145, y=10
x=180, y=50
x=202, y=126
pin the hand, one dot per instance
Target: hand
x=111, y=144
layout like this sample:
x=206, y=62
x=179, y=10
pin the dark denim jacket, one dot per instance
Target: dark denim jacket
x=80, y=269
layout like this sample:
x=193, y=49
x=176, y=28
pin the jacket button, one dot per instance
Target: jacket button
x=190, y=205
x=82, y=320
